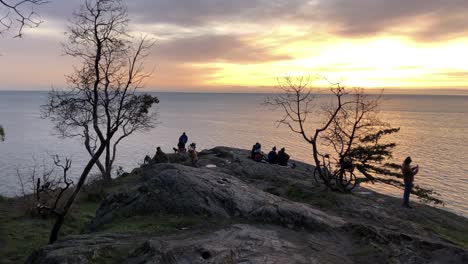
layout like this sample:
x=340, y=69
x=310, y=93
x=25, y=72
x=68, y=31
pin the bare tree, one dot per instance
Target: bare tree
x=102, y=105
x=49, y=193
x=120, y=74
x=356, y=119
x=13, y=15
x=19, y=14
x=297, y=102
x=43, y=188
x=351, y=128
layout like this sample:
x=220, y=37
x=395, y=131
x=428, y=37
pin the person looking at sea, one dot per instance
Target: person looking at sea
x=408, y=177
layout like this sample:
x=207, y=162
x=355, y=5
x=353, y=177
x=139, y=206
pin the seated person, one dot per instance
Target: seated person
x=283, y=157
x=272, y=156
x=146, y=160
x=258, y=157
x=193, y=154
x=257, y=148
x=257, y=153
x=160, y=156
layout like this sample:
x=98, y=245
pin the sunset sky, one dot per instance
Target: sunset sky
x=244, y=45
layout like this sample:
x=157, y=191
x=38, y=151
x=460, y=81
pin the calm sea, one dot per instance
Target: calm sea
x=434, y=131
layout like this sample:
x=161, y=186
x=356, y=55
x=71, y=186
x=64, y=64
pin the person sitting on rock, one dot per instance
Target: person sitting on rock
x=272, y=156
x=257, y=153
x=283, y=157
x=146, y=160
x=255, y=149
x=193, y=154
x=160, y=156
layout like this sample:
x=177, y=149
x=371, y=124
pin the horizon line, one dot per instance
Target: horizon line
x=393, y=91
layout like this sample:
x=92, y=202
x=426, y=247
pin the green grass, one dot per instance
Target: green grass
x=457, y=236
x=321, y=199
x=365, y=251
x=3, y=199
x=21, y=234
x=153, y=224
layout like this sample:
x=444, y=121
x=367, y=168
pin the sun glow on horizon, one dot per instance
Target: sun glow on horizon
x=378, y=62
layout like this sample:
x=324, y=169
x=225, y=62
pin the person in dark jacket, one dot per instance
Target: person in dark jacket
x=283, y=157
x=183, y=139
x=272, y=156
x=408, y=177
x=160, y=156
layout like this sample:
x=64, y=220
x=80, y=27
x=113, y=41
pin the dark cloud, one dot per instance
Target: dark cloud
x=201, y=12
x=428, y=19
x=189, y=12
x=424, y=20
x=215, y=48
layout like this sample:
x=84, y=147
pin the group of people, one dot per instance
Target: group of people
x=281, y=158
x=161, y=157
x=183, y=139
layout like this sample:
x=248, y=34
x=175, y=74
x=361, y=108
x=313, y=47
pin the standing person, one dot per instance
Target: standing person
x=272, y=156
x=408, y=177
x=193, y=154
x=183, y=139
x=283, y=157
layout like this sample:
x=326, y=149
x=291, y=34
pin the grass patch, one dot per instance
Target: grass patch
x=3, y=199
x=297, y=194
x=452, y=234
x=321, y=199
x=21, y=235
x=365, y=251
x=154, y=224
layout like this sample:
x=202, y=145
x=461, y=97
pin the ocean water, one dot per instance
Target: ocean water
x=434, y=131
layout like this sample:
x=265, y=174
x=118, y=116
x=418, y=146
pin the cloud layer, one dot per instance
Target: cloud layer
x=205, y=37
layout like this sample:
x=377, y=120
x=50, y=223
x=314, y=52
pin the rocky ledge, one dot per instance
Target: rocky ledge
x=249, y=212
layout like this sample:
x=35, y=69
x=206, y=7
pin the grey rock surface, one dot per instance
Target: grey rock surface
x=270, y=214
x=178, y=189
x=241, y=243
x=253, y=244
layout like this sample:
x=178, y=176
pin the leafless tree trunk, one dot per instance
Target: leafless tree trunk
x=297, y=102
x=351, y=128
x=103, y=102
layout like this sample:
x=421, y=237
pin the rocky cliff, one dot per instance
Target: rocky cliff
x=241, y=211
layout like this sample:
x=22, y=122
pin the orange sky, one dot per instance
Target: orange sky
x=210, y=45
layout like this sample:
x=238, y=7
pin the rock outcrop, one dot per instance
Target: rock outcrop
x=182, y=190
x=264, y=214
